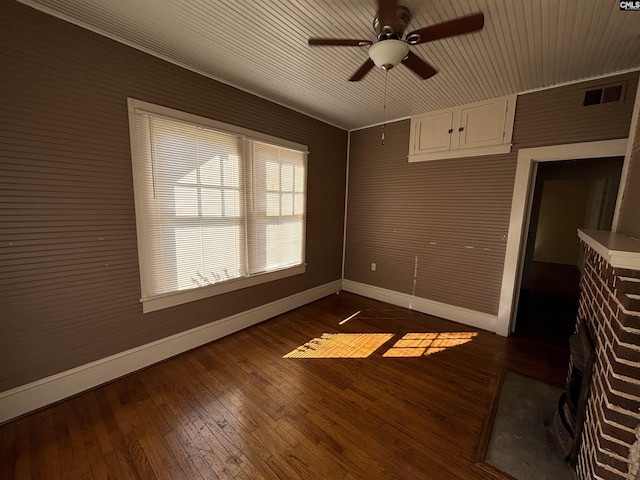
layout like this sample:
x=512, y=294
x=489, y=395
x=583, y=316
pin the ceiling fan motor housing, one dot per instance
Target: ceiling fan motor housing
x=386, y=31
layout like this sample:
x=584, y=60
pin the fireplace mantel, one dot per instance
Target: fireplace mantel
x=619, y=250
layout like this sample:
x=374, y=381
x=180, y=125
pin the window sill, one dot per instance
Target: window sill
x=151, y=304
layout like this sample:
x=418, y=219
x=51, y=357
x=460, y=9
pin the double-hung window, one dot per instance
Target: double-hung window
x=218, y=207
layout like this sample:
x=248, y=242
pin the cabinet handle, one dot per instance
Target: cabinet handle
x=450, y=130
x=461, y=129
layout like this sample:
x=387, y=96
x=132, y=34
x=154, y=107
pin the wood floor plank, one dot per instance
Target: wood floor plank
x=237, y=409
x=73, y=448
x=129, y=429
x=63, y=444
x=52, y=463
x=167, y=459
x=136, y=458
x=9, y=453
x=207, y=434
x=37, y=446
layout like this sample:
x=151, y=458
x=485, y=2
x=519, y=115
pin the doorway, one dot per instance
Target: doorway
x=567, y=195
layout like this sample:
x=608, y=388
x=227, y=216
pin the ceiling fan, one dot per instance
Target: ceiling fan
x=390, y=50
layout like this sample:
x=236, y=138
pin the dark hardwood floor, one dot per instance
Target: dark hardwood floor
x=235, y=408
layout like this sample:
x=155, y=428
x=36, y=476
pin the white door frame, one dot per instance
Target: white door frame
x=525, y=176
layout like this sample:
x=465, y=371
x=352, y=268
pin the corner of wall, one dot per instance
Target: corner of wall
x=626, y=218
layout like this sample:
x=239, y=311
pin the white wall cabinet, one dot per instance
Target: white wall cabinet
x=482, y=128
x=432, y=133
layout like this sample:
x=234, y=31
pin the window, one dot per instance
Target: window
x=218, y=207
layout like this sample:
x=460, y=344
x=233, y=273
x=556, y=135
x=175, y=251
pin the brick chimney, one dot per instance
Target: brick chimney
x=610, y=304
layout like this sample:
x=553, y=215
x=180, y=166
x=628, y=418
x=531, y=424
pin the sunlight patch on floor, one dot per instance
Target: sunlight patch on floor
x=341, y=345
x=423, y=344
x=362, y=345
x=349, y=318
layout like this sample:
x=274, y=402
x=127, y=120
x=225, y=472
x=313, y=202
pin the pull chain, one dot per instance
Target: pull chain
x=384, y=107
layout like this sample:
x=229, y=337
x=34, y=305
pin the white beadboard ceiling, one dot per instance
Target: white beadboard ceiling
x=261, y=47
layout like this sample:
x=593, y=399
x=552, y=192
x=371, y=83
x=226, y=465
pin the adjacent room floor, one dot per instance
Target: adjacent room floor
x=343, y=388
x=547, y=310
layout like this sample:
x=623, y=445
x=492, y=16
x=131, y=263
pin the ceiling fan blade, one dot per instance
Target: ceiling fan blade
x=362, y=71
x=388, y=15
x=419, y=66
x=459, y=26
x=339, y=42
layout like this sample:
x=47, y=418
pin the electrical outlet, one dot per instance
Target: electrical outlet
x=373, y=267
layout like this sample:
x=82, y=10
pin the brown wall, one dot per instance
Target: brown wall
x=397, y=209
x=69, y=283
x=556, y=240
x=629, y=220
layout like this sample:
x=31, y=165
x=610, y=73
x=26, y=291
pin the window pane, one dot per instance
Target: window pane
x=231, y=171
x=287, y=177
x=210, y=171
x=287, y=204
x=190, y=178
x=188, y=258
x=223, y=245
x=211, y=202
x=207, y=255
x=299, y=204
x=273, y=204
x=273, y=176
x=185, y=202
x=283, y=245
x=299, y=178
x=190, y=167
x=276, y=237
x=232, y=205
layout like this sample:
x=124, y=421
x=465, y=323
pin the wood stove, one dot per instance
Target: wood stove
x=568, y=422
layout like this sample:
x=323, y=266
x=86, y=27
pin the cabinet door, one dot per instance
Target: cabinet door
x=432, y=133
x=482, y=125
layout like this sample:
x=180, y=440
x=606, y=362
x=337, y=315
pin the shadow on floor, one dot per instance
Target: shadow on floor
x=521, y=442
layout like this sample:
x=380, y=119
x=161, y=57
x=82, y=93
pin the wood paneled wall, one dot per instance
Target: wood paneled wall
x=629, y=220
x=435, y=229
x=443, y=220
x=69, y=284
x=557, y=116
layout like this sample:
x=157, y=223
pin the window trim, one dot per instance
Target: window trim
x=158, y=302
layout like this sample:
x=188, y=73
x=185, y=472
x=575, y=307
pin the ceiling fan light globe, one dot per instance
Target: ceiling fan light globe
x=386, y=54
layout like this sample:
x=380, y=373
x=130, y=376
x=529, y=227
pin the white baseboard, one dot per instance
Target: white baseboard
x=45, y=391
x=431, y=307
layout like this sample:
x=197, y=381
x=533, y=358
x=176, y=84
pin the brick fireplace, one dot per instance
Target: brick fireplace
x=610, y=304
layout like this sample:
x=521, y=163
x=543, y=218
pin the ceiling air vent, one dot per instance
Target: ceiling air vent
x=612, y=94
x=608, y=94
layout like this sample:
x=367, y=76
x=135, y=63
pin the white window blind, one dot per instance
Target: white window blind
x=277, y=208
x=213, y=206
